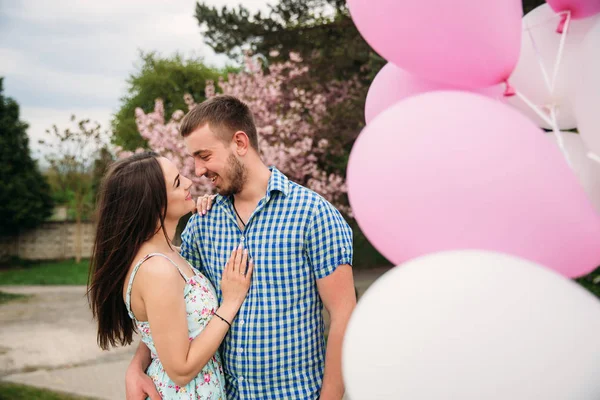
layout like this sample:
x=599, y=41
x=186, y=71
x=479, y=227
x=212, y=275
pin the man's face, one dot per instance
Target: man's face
x=216, y=160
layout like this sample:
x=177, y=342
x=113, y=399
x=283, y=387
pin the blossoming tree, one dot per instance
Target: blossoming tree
x=291, y=116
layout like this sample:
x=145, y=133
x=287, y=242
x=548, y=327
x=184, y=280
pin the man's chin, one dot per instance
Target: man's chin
x=222, y=191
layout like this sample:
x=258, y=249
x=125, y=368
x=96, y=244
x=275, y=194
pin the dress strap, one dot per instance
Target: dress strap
x=135, y=270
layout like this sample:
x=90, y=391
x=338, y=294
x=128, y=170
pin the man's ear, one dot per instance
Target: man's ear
x=241, y=142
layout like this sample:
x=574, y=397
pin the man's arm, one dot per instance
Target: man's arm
x=338, y=296
x=329, y=250
x=138, y=385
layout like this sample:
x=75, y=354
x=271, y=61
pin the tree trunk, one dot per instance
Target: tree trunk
x=78, y=228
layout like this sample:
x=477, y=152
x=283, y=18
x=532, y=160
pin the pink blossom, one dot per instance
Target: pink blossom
x=290, y=121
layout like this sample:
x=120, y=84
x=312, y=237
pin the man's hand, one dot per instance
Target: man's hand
x=138, y=385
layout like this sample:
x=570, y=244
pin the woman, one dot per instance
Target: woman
x=139, y=282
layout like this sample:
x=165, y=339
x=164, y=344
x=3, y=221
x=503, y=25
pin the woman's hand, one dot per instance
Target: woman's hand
x=204, y=203
x=236, y=278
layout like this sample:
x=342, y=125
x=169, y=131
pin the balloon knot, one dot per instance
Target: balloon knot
x=509, y=91
x=561, y=25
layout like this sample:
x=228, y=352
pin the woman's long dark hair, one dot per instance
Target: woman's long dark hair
x=132, y=203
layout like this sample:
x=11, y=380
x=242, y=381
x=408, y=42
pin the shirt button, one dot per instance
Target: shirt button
x=242, y=322
x=240, y=350
x=343, y=249
x=241, y=379
x=242, y=238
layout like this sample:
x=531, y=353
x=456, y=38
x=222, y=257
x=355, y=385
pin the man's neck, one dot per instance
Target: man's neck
x=255, y=186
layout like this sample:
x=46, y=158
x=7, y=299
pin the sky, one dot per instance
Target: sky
x=64, y=57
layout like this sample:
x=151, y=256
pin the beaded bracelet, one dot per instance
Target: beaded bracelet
x=222, y=319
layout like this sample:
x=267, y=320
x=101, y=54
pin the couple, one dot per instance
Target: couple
x=251, y=277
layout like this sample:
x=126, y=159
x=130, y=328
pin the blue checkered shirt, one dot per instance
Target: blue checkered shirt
x=276, y=347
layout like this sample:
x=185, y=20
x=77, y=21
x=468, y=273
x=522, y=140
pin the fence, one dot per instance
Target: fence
x=52, y=240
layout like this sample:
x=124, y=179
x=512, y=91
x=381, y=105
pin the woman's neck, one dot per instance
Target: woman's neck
x=161, y=243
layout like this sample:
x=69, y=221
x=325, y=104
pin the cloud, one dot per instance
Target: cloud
x=73, y=56
x=41, y=119
x=27, y=77
x=99, y=12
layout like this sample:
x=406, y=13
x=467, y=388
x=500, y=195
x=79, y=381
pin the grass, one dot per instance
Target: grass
x=12, y=391
x=6, y=297
x=68, y=272
x=64, y=272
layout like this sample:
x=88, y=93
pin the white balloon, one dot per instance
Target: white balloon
x=527, y=77
x=586, y=169
x=587, y=98
x=472, y=325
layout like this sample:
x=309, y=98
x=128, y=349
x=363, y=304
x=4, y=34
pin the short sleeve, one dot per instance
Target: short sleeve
x=329, y=240
x=190, y=243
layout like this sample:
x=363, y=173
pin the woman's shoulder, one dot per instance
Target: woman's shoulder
x=155, y=268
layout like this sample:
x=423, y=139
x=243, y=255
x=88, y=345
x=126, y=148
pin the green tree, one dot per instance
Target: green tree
x=529, y=5
x=25, y=199
x=591, y=282
x=168, y=78
x=321, y=31
x=101, y=164
x=70, y=155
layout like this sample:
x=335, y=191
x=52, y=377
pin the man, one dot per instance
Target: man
x=302, y=252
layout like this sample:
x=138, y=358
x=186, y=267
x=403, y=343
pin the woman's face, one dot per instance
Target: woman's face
x=179, y=198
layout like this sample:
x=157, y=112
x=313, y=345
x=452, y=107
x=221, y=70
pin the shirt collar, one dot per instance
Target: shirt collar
x=278, y=182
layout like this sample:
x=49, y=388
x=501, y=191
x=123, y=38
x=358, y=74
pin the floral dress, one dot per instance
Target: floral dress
x=200, y=303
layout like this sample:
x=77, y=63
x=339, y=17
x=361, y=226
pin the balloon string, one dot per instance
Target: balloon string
x=551, y=84
x=544, y=22
x=593, y=156
x=564, y=29
x=535, y=108
x=558, y=134
x=561, y=48
x=540, y=60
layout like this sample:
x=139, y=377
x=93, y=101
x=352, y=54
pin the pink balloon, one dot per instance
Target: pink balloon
x=462, y=42
x=393, y=84
x=578, y=8
x=455, y=170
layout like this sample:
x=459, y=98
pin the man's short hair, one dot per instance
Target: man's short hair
x=225, y=115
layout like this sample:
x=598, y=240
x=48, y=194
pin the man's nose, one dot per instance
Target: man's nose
x=200, y=168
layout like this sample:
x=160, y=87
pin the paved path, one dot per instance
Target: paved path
x=49, y=341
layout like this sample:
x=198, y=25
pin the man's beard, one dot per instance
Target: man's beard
x=235, y=175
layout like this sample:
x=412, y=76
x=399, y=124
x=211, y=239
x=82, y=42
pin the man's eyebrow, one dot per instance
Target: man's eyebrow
x=176, y=179
x=200, y=152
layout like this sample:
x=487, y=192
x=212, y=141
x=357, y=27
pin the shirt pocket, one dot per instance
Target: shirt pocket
x=281, y=268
